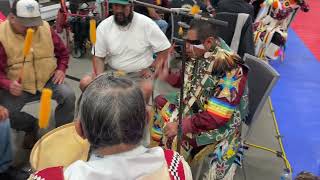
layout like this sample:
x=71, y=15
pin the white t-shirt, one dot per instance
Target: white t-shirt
x=133, y=164
x=130, y=48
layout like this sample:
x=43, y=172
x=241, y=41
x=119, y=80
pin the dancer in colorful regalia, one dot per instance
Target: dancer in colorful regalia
x=272, y=24
x=215, y=103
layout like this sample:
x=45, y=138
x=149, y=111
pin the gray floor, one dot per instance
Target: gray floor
x=258, y=164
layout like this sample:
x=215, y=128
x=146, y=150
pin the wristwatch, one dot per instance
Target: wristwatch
x=210, y=9
x=152, y=69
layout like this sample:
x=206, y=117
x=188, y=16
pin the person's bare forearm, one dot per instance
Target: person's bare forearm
x=162, y=56
x=208, y=3
x=99, y=63
x=153, y=14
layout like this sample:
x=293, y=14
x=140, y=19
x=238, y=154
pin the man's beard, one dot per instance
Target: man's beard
x=122, y=20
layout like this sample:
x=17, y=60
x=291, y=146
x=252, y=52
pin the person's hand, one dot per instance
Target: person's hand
x=210, y=8
x=171, y=129
x=146, y=73
x=162, y=66
x=147, y=88
x=58, y=77
x=162, y=74
x=212, y=11
x=162, y=69
x=15, y=88
x=4, y=113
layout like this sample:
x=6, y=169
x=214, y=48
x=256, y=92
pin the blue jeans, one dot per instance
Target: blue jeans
x=5, y=146
x=162, y=24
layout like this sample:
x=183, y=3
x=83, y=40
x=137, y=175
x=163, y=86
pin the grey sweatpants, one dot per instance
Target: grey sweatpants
x=21, y=121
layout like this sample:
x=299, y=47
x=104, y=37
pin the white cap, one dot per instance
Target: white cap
x=28, y=13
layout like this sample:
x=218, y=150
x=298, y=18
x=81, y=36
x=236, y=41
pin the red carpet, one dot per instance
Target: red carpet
x=307, y=26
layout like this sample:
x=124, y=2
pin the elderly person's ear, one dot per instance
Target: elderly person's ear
x=79, y=129
x=209, y=42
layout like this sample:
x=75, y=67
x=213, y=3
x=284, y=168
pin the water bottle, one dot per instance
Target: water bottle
x=286, y=175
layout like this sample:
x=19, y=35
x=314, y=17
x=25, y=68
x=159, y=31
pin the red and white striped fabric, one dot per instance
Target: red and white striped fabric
x=53, y=173
x=175, y=165
x=173, y=159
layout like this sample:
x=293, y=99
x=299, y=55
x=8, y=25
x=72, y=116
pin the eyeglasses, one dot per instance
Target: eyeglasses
x=193, y=42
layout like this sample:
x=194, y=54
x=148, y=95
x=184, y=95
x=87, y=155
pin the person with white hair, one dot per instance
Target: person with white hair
x=112, y=115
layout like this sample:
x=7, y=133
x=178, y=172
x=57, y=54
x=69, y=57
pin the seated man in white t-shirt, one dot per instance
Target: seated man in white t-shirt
x=127, y=42
x=112, y=116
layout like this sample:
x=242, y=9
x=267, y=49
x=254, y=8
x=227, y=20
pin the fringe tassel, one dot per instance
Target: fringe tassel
x=225, y=61
x=212, y=174
x=231, y=172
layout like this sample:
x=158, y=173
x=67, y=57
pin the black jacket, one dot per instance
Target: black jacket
x=235, y=6
x=246, y=44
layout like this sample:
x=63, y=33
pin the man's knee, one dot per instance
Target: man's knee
x=5, y=125
x=67, y=94
x=13, y=103
x=5, y=145
x=160, y=101
x=4, y=132
x=84, y=82
x=23, y=121
x=162, y=24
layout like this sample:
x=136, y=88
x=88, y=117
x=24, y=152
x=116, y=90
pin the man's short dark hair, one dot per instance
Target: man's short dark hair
x=204, y=29
x=14, y=7
x=112, y=111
